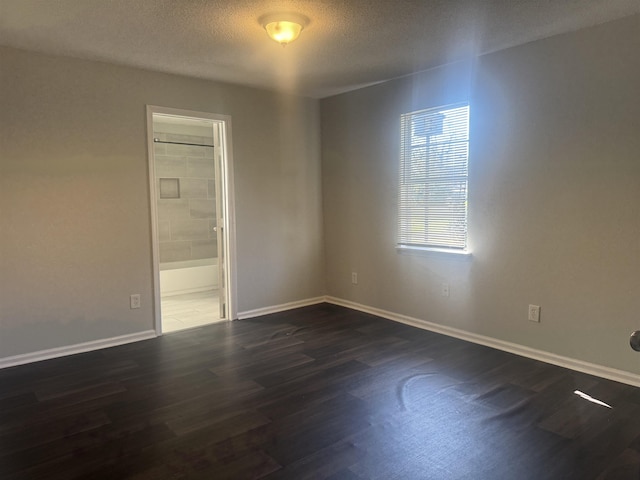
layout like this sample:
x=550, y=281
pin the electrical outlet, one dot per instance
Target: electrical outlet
x=134, y=301
x=445, y=290
x=354, y=278
x=534, y=313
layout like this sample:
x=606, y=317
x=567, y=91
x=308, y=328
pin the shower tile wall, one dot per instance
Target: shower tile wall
x=185, y=224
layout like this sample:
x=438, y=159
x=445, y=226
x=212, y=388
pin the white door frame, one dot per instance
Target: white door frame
x=223, y=124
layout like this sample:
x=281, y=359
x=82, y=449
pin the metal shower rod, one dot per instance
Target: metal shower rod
x=157, y=140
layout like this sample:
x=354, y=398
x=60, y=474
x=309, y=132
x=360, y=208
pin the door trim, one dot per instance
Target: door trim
x=223, y=122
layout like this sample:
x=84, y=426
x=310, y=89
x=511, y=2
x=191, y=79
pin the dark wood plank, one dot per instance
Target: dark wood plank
x=312, y=393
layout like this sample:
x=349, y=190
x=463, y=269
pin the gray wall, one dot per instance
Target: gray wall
x=554, y=198
x=74, y=199
x=186, y=221
x=554, y=205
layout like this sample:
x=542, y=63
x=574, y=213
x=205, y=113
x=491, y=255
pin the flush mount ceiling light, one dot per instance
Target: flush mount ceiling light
x=284, y=28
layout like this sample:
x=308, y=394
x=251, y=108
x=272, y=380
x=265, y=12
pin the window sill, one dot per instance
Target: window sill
x=462, y=254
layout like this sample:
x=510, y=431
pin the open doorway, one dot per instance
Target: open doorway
x=191, y=197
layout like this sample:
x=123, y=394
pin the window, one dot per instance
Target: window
x=434, y=161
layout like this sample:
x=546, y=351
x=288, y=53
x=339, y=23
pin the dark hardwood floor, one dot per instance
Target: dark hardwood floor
x=318, y=392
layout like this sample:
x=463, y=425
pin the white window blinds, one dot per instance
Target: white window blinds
x=433, y=178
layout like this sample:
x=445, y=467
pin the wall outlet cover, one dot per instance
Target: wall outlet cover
x=134, y=301
x=534, y=313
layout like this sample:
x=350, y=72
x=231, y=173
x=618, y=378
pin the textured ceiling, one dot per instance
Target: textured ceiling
x=348, y=43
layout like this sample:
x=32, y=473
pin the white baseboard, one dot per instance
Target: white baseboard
x=280, y=308
x=73, y=349
x=566, y=362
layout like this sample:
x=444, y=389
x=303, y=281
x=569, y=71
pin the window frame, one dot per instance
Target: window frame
x=428, y=181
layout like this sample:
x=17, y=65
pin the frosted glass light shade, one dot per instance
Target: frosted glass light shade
x=284, y=27
x=283, y=31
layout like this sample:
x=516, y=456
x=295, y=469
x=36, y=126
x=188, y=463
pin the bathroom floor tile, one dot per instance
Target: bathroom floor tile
x=190, y=310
